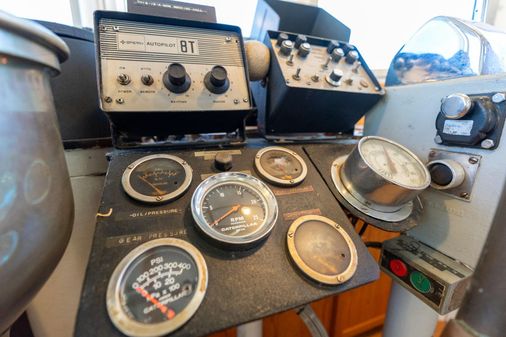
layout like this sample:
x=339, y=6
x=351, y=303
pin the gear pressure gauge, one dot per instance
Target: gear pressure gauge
x=322, y=249
x=234, y=209
x=156, y=288
x=157, y=178
x=380, y=178
x=280, y=166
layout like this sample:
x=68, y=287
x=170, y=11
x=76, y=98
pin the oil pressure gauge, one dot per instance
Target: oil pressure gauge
x=233, y=209
x=381, y=178
x=157, y=178
x=280, y=166
x=156, y=288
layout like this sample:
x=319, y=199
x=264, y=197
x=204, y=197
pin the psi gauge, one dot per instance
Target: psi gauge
x=280, y=166
x=157, y=178
x=233, y=209
x=156, y=288
x=381, y=178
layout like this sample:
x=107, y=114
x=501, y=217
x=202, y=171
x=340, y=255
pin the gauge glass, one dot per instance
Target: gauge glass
x=157, y=178
x=234, y=208
x=394, y=163
x=159, y=285
x=280, y=166
x=322, y=249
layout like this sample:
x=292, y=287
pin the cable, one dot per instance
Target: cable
x=313, y=323
x=362, y=230
x=374, y=244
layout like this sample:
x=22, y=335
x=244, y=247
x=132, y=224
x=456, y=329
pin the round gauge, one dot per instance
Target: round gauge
x=322, y=249
x=234, y=209
x=380, y=178
x=156, y=288
x=394, y=162
x=157, y=178
x=280, y=166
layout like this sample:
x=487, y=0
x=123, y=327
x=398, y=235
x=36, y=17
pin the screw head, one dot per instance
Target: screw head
x=245, y=100
x=464, y=195
x=487, y=143
x=108, y=99
x=159, y=198
x=236, y=101
x=228, y=39
x=115, y=28
x=499, y=97
x=432, y=153
x=120, y=100
x=438, y=139
x=473, y=160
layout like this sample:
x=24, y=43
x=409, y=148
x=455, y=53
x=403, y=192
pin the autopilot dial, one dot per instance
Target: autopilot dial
x=233, y=209
x=156, y=288
x=157, y=178
x=280, y=166
x=380, y=178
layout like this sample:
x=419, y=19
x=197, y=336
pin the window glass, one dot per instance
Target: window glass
x=47, y=10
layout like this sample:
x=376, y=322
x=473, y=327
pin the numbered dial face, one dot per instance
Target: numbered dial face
x=157, y=287
x=157, y=178
x=234, y=208
x=322, y=249
x=280, y=166
x=394, y=163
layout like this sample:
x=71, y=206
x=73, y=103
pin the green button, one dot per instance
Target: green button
x=420, y=282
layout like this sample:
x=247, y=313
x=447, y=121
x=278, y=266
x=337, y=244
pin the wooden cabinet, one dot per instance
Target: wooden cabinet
x=346, y=315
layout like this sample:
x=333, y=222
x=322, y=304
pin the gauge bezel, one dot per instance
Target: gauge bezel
x=335, y=279
x=274, y=180
x=134, y=328
x=403, y=148
x=127, y=186
x=271, y=205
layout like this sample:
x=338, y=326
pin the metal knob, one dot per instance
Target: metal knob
x=334, y=77
x=216, y=81
x=286, y=47
x=337, y=54
x=176, y=79
x=351, y=57
x=223, y=161
x=304, y=49
x=332, y=45
x=281, y=37
x=456, y=106
x=299, y=40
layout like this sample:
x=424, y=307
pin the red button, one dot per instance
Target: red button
x=398, y=267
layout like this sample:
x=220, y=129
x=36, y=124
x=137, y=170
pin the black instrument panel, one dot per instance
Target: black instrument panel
x=243, y=285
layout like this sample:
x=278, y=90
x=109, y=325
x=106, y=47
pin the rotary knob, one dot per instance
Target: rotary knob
x=334, y=77
x=456, y=106
x=337, y=55
x=281, y=37
x=304, y=49
x=299, y=40
x=332, y=45
x=223, y=161
x=286, y=47
x=216, y=81
x=351, y=57
x=176, y=79
x=446, y=174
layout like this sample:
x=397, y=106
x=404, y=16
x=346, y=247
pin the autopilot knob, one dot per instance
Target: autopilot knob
x=223, y=161
x=286, y=47
x=176, y=79
x=216, y=80
x=300, y=39
x=351, y=57
x=456, y=106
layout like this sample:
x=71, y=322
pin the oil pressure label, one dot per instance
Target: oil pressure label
x=157, y=44
x=458, y=128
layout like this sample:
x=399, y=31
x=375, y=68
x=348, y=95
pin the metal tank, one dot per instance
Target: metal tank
x=36, y=204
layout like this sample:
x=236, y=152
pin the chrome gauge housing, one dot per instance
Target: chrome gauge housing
x=234, y=210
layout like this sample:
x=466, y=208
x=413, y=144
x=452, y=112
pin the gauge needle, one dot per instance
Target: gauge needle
x=166, y=311
x=159, y=191
x=390, y=162
x=232, y=210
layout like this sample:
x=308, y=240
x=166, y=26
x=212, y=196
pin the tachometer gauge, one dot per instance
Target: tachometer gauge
x=322, y=249
x=280, y=166
x=234, y=209
x=380, y=178
x=156, y=288
x=157, y=178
